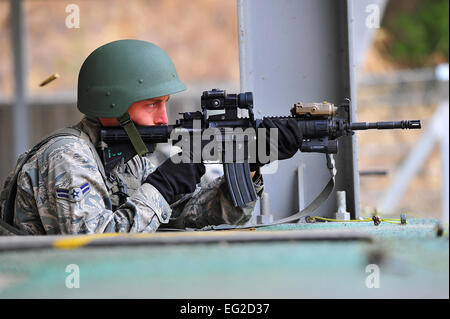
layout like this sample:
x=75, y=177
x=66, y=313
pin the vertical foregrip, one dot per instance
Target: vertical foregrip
x=240, y=184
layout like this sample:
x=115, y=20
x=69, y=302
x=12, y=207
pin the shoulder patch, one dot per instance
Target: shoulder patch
x=74, y=194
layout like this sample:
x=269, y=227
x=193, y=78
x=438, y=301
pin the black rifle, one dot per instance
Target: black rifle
x=318, y=122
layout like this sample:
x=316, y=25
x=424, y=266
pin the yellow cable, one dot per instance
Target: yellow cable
x=396, y=221
x=341, y=220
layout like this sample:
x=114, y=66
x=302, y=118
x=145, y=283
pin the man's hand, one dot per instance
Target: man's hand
x=171, y=179
x=289, y=138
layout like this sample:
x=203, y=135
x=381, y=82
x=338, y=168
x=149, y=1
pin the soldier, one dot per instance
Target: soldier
x=61, y=184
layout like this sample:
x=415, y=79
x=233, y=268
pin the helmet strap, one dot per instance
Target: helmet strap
x=133, y=134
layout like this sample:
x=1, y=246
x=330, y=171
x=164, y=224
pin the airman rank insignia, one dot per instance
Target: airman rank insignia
x=74, y=194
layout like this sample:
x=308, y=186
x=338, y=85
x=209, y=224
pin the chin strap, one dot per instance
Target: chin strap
x=133, y=134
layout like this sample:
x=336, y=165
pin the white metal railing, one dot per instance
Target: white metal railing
x=436, y=133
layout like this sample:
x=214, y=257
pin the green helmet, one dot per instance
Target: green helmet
x=122, y=72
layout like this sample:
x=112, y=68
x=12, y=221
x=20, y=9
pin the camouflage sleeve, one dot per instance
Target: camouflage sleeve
x=71, y=197
x=211, y=204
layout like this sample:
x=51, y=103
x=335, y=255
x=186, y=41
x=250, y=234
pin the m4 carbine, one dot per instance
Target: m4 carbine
x=318, y=123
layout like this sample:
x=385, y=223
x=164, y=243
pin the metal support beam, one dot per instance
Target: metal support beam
x=445, y=172
x=19, y=110
x=293, y=51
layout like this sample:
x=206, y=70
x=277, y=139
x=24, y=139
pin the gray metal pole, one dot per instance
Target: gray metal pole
x=19, y=110
x=347, y=178
x=293, y=51
x=445, y=170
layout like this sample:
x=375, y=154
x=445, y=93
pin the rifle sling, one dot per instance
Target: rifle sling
x=133, y=134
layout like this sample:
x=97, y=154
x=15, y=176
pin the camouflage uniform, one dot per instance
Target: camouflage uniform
x=61, y=191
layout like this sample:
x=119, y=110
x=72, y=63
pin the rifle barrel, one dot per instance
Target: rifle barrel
x=412, y=125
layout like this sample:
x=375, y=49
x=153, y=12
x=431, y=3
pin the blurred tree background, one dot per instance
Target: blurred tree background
x=413, y=38
x=417, y=32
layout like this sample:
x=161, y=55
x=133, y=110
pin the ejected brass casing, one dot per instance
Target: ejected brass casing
x=313, y=109
x=49, y=79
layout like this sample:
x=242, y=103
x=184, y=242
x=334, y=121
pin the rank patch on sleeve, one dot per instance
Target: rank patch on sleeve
x=74, y=194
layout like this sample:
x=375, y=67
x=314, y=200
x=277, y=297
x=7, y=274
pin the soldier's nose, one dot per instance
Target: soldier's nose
x=161, y=116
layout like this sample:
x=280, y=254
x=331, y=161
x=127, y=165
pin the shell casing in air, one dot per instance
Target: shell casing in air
x=49, y=79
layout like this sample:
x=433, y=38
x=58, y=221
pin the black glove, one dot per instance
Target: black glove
x=289, y=138
x=171, y=179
